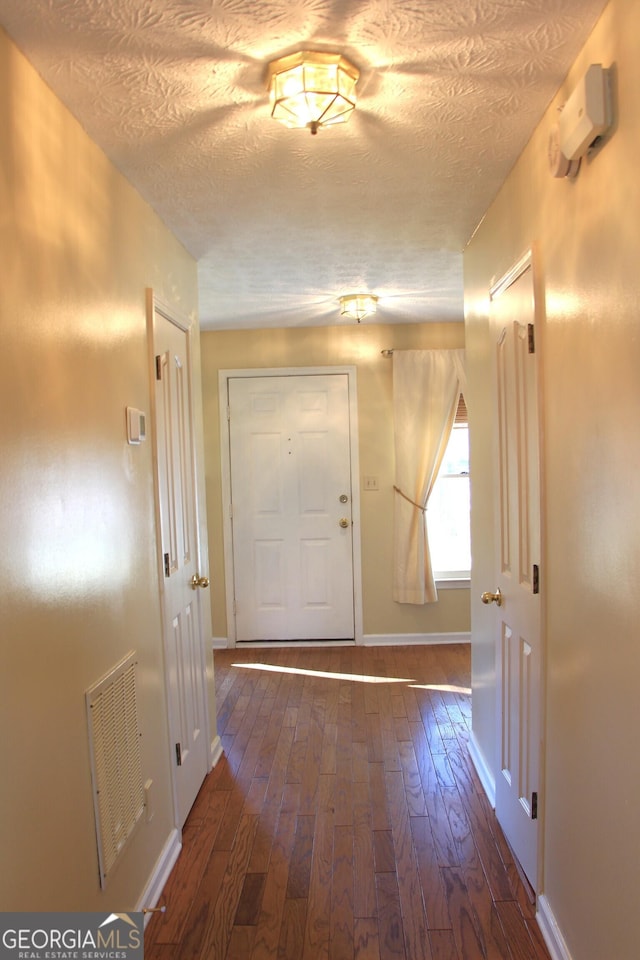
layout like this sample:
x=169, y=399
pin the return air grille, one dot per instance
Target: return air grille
x=116, y=769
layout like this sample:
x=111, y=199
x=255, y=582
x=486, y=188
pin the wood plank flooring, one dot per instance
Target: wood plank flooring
x=345, y=820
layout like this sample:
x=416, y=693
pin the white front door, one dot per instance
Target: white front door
x=517, y=572
x=291, y=507
x=183, y=641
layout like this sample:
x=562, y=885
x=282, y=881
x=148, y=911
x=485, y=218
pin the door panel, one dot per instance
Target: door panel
x=184, y=646
x=290, y=463
x=518, y=620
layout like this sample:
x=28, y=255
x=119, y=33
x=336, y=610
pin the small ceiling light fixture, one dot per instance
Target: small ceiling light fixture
x=312, y=89
x=357, y=306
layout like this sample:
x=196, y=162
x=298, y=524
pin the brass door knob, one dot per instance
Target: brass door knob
x=197, y=581
x=343, y=522
x=496, y=597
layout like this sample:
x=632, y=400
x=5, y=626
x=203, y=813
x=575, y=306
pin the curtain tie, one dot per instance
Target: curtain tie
x=418, y=505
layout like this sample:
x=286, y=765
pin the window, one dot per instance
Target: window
x=447, y=514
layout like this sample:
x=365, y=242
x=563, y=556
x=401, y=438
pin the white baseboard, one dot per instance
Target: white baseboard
x=216, y=751
x=160, y=874
x=551, y=932
x=483, y=770
x=278, y=644
x=368, y=640
x=409, y=639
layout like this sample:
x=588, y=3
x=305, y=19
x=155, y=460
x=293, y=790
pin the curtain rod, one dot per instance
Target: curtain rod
x=387, y=353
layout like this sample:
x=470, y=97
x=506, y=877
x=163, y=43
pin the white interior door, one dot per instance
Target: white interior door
x=517, y=573
x=291, y=507
x=183, y=641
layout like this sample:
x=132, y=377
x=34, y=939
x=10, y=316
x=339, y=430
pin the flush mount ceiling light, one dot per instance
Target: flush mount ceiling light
x=356, y=306
x=312, y=89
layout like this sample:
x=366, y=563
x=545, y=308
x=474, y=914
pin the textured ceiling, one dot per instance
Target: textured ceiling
x=282, y=222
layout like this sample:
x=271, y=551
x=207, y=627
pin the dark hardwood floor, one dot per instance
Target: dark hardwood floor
x=345, y=820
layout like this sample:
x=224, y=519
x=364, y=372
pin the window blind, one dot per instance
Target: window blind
x=461, y=412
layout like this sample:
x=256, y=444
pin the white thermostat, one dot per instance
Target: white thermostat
x=136, y=425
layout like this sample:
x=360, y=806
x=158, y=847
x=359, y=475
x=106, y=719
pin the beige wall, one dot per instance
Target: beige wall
x=586, y=250
x=78, y=567
x=358, y=345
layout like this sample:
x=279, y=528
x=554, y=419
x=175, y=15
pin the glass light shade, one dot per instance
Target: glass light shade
x=311, y=89
x=356, y=306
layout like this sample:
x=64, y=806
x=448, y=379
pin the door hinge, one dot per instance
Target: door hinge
x=536, y=578
x=228, y=413
x=167, y=568
x=178, y=755
x=235, y=608
x=531, y=338
x=159, y=367
x=534, y=805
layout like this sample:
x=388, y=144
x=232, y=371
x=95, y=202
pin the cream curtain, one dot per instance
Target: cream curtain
x=426, y=388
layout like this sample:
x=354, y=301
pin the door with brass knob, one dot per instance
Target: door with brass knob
x=514, y=607
x=185, y=634
x=496, y=597
x=292, y=492
x=197, y=581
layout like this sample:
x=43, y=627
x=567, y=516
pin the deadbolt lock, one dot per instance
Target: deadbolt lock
x=343, y=498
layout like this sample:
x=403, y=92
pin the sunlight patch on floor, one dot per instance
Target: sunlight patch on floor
x=442, y=687
x=355, y=677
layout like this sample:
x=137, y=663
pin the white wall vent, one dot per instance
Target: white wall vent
x=116, y=769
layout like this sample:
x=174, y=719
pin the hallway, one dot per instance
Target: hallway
x=345, y=819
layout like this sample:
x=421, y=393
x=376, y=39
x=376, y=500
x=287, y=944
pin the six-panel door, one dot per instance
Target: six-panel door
x=291, y=507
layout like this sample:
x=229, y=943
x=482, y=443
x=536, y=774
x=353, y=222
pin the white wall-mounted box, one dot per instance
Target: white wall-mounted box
x=136, y=426
x=586, y=114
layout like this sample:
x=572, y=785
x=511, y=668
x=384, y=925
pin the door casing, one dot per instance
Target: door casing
x=223, y=378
